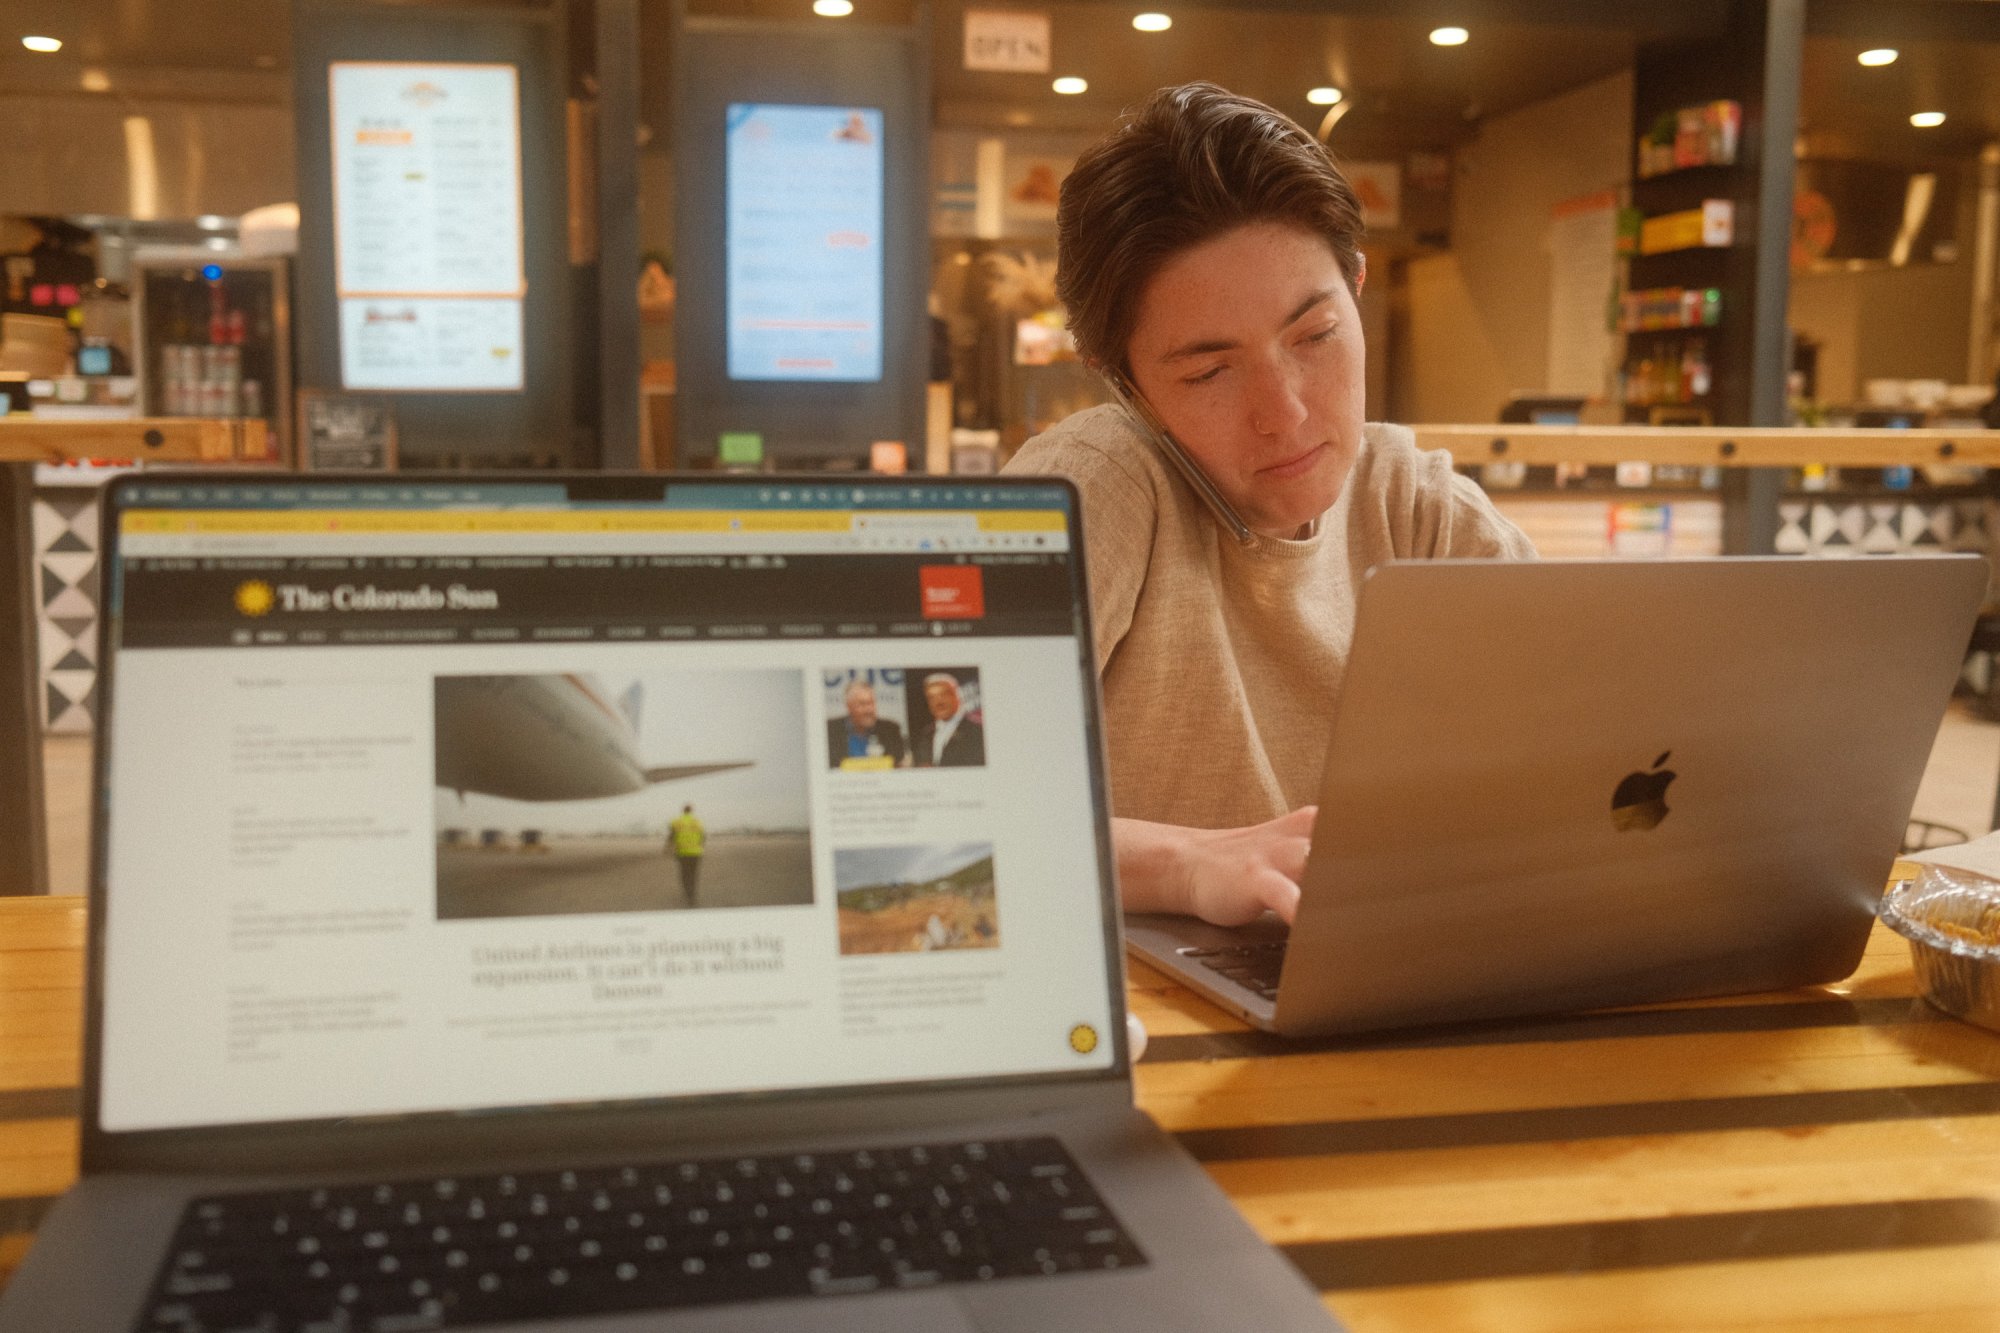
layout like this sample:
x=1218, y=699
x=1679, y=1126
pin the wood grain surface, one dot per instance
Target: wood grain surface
x=25, y=439
x=1825, y=1159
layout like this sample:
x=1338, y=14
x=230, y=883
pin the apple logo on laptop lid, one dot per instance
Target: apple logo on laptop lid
x=1640, y=802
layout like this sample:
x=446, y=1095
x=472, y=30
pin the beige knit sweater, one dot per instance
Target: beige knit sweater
x=1220, y=663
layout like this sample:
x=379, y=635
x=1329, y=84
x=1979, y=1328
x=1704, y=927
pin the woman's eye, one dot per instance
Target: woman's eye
x=1323, y=335
x=1204, y=377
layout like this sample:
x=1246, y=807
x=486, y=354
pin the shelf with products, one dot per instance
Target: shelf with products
x=1686, y=319
x=1689, y=138
x=1669, y=309
x=1674, y=375
x=1711, y=226
x=213, y=339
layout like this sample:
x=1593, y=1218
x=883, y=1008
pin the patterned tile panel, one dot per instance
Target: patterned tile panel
x=66, y=575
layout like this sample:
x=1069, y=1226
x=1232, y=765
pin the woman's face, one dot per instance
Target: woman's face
x=1248, y=347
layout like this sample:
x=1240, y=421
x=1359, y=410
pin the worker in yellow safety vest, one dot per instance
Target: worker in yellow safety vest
x=687, y=839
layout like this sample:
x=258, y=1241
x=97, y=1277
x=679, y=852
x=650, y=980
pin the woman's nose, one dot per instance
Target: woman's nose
x=1277, y=405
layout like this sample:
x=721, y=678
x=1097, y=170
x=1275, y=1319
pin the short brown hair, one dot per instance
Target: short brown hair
x=1190, y=164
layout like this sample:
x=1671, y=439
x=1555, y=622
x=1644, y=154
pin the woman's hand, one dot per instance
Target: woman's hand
x=1224, y=876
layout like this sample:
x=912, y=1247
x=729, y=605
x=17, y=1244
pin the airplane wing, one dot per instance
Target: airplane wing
x=673, y=771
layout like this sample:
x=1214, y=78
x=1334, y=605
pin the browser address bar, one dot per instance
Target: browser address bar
x=944, y=520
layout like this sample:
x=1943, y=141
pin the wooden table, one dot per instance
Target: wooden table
x=1825, y=1159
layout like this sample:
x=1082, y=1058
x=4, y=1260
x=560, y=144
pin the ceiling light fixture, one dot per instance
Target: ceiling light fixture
x=46, y=45
x=1323, y=96
x=1069, y=85
x=1449, y=36
x=1927, y=120
x=1150, y=22
x=833, y=9
x=1881, y=55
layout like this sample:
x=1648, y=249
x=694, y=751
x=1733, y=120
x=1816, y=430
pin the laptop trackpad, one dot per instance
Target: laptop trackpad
x=904, y=1312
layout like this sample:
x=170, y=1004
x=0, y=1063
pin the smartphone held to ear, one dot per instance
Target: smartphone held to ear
x=1141, y=411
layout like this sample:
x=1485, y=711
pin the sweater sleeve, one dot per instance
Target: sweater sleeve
x=1120, y=519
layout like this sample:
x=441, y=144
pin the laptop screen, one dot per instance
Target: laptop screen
x=464, y=796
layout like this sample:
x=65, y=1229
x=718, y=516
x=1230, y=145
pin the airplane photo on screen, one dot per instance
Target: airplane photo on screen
x=566, y=793
x=546, y=738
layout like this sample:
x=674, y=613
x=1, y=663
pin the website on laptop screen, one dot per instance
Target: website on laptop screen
x=445, y=798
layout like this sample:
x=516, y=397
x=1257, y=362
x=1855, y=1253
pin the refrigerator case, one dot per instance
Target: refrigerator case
x=213, y=338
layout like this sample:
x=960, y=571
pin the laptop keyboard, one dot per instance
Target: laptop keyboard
x=1255, y=966
x=460, y=1251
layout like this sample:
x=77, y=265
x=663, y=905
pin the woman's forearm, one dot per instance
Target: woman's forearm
x=1152, y=865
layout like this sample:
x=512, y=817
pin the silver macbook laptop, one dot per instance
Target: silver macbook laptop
x=614, y=904
x=1569, y=785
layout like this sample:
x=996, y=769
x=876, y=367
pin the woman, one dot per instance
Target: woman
x=1208, y=254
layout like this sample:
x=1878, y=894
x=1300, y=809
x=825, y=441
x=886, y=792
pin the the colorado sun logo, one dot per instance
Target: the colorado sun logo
x=1083, y=1039
x=253, y=597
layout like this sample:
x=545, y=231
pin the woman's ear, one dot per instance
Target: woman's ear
x=1360, y=272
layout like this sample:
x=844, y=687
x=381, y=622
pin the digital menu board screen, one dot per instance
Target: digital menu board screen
x=428, y=259
x=804, y=200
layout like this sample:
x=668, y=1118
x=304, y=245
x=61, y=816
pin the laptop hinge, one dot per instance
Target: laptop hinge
x=453, y=1143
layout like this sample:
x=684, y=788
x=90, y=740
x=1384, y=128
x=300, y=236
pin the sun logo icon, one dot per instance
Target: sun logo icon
x=1083, y=1039
x=253, y=597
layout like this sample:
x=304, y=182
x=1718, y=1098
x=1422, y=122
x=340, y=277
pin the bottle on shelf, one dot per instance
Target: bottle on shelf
x=1696, y=373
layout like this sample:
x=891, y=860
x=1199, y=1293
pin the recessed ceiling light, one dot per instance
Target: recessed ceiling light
x=1070, y=85
x=1323, y=96
x=46, y=45
x=1881, y=55
x=1152, y=22
x=1449, y=36
x=1927, y=120
x=833, y=9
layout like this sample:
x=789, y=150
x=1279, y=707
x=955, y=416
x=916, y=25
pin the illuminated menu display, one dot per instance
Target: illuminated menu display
x=428, y=259
x=805, y=204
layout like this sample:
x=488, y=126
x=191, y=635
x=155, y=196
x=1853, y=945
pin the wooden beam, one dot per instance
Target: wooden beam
x=1713, y=446
x=27, y=439
x=24, y=853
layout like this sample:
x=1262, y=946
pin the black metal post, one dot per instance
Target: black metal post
x=1750, y=496
x=617, y=203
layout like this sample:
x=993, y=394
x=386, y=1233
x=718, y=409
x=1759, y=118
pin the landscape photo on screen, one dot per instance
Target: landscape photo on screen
x=916, y=899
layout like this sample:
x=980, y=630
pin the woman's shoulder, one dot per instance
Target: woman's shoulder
x=1389, y=456
x=1099, y=448
x=1421, y=503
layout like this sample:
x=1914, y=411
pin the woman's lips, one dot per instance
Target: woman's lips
x=1293, y=467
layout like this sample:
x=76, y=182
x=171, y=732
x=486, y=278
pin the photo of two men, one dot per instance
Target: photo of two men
x=904, y=717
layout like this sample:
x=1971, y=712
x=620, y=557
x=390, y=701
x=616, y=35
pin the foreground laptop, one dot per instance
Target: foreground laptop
x=1568, y=785
x=407, y=1009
